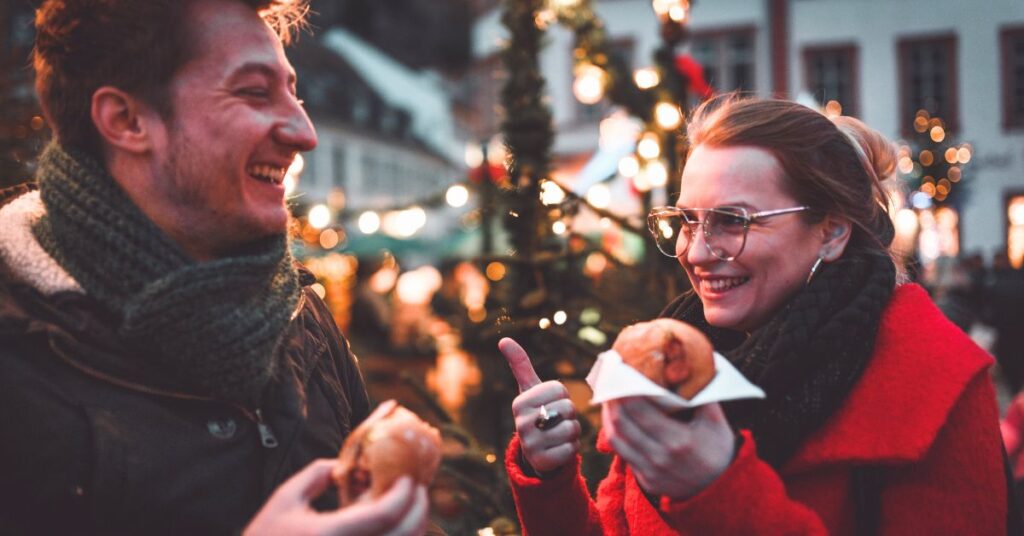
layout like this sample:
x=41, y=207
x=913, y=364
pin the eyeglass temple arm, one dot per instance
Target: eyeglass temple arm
x=778, y=212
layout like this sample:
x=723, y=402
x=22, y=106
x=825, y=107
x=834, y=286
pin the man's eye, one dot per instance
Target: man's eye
x=256, y=92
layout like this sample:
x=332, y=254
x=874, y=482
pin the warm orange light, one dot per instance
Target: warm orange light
x=667, y=115
x=927, y=158
x=833, y=108
x=329, y=238
x=1015, y=212
x=495, y=271
x=951, y=155
x=938, y=133
x=1015, y=235
x=477, y=315
x=595, y=264
x=963, y=154
x=646, y=78
x=589, y=84
x=648, y=146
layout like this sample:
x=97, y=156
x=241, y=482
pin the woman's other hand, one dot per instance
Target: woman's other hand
x=548, y=449
x=669, y=457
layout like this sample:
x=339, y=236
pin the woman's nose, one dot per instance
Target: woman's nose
x=698, y=251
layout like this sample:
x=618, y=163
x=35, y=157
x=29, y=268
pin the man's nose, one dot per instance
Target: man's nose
x=295, y=128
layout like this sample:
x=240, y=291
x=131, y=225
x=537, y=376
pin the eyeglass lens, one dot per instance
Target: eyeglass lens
x=724, y=231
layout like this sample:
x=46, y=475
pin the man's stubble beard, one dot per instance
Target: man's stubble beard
x=187, y=181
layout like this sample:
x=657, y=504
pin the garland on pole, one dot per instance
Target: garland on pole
x=527, y=125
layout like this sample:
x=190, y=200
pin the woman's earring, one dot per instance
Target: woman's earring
x=814, y=268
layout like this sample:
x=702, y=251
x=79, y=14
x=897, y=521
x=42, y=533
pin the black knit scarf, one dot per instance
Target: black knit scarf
x=808, y=357
x=210, y=328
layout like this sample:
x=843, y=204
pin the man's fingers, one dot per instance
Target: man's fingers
x=310, y=482
x=414, y=522
x=375, y=517
x=520, y=363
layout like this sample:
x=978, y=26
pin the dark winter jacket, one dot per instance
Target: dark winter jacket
x=88, y=445
x=923, y=414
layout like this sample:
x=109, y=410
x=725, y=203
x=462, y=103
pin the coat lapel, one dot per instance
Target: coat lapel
x=921, y=365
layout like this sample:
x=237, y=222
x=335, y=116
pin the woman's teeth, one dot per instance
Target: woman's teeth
x=722, y=285
x=265, y=173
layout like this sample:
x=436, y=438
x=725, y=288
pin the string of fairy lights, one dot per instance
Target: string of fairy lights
x=653, y=94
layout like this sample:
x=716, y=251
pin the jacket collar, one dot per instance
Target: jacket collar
x=27, y=261
x=921, y=365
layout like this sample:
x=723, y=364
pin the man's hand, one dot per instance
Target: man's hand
x=402, y=511
x=669, y=457
x=544, y=450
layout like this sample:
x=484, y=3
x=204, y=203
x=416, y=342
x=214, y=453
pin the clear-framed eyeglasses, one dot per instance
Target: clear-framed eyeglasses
x=725, y=228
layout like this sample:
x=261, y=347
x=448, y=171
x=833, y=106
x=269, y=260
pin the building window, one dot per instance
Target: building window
x=1015, y=229
x=623, y=51
x=928, y=80
x=1012, y=48
x=830, y=74
x=371, y=175
x=727, y=56
x=338, y=167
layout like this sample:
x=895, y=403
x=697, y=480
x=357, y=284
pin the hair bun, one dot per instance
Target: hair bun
x=876, y=153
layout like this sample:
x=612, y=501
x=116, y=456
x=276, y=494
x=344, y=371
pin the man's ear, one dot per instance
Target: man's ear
x=122, y=120
x=837, y=231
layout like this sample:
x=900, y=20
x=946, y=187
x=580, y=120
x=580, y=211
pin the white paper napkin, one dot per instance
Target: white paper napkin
x=611, y=378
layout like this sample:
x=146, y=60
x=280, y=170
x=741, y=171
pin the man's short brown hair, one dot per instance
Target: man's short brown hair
x=135, y=46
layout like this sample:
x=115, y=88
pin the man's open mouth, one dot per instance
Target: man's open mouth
x=267, y=173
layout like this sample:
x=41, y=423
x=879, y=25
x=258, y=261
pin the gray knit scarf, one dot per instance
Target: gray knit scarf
x=212, y=328
x=810, y=354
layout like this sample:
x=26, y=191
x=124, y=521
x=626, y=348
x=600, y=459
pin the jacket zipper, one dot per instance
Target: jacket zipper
x=266, y=434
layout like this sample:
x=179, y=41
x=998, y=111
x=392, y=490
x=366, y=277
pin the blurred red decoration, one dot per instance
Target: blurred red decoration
x=694, y=72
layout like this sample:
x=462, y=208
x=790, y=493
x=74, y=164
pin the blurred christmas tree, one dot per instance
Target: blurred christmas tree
x=561, y=287
x=932, y=163
x=931, y=166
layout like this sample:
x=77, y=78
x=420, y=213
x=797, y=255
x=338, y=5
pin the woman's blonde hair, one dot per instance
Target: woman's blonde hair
x=835, y=166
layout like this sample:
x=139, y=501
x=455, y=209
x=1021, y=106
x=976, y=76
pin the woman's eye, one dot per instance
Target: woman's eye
x=731, y=221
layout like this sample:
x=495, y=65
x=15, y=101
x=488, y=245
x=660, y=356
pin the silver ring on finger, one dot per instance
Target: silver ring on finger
x=547, y=419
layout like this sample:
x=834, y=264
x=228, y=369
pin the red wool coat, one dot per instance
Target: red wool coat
x=924, y=409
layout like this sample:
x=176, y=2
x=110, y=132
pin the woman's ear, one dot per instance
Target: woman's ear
x=836, y=231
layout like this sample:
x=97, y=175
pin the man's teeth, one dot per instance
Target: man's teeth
x=721, y=285
x=268, y=173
